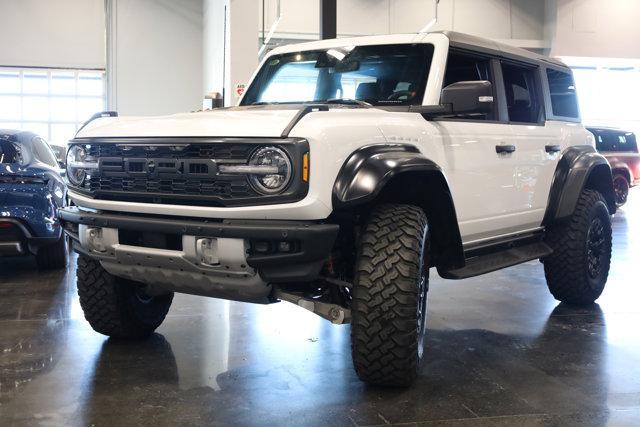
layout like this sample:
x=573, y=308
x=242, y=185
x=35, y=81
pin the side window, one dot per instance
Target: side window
x=42, y=152
x=564, y=101
x=522, y=94
x=462, y=67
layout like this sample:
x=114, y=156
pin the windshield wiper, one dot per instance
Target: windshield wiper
x=348, y=101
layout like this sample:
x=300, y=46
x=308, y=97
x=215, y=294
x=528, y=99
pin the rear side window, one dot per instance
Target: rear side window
x=522, y=94
x=609, y=140
x=564, y=101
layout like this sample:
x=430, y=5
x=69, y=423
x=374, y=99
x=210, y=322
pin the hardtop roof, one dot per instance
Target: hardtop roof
x=457, y=39
x=467, y=40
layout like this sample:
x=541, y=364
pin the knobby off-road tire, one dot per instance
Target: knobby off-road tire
x=117, y=307
x=389, y=296
x=578, y=268
x=53, y=256
x=621, y=189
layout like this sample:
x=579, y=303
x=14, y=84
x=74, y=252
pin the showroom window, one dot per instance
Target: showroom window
x=563, y=94
x=521, y=92
x=608, y=90
x=50, y=102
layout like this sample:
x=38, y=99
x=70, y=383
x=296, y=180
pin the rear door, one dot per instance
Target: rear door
x=538, y=142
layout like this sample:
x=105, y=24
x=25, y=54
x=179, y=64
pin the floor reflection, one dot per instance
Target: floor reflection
x=500, y=349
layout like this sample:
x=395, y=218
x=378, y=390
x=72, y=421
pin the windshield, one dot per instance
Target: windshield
x=378, y=75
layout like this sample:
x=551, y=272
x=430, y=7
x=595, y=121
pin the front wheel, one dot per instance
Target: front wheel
x=578, y=268
x=621, y=189
x=118, y=307
x=390, y=296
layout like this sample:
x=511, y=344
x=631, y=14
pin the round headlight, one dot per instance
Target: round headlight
x=271, y=183
x=76, y=156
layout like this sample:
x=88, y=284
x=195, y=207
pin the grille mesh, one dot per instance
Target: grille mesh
x=113, y=178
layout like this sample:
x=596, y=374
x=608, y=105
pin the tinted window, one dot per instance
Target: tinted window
x=521, y=92
x=10, y=152
x=611, y=140
x=42, y=152
x=463, y=67
x=563, y=94
x=380, y=75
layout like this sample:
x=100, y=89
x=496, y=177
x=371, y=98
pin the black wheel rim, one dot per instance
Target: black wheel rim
x=596, y=242
x=423, y=288
x=622, y=191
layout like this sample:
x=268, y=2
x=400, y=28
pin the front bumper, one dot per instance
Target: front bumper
x=17, y=239
x=241, y=273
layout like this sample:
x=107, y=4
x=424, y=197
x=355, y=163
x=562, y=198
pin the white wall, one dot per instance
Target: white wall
x=230, y=45
x=213, y=44
x=595, y=28
x=157, y=63
x=518, y=21
x=60, y=33
x=242, y=45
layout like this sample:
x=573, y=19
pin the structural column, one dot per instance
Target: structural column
x=328, y=19
x=231, y=29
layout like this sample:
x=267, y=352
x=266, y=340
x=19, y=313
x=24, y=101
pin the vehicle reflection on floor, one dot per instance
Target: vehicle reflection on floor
x=498, y=346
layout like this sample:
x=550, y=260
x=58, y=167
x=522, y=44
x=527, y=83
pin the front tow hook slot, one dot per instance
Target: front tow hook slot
x=95, y=240
x=207, y=251
x=98, y=239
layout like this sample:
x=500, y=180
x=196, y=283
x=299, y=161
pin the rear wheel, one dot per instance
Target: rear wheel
x=118, y=307
x=621, y=188
x=390, y=296
x=578, y=268
x=53, y=256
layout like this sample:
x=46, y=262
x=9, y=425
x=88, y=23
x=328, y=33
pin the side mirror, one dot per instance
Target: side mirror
x=467, y=98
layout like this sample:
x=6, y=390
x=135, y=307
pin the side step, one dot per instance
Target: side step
x=498, y=260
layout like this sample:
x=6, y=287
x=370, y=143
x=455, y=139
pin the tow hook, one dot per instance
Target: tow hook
x=335, y=313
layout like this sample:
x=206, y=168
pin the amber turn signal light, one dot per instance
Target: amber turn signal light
x=305, y=167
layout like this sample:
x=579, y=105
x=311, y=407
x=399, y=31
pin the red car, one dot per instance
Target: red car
x=621, y=150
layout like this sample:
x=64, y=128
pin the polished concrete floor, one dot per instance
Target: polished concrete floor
x=500, y=350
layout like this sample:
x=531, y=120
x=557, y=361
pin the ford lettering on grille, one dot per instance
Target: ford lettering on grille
x=158, y=167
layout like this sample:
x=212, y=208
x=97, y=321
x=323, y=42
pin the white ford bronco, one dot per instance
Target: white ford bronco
x=349, y=168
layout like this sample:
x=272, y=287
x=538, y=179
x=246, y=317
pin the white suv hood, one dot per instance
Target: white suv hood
x=216, y=123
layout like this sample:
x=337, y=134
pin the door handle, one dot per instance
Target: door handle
x=505, y=149
x=552, y=148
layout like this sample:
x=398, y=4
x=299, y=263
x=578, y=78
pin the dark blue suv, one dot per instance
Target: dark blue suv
x=31, y=191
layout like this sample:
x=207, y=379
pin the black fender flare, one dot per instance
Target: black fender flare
x=621, y=166
x=369, y=170
x=577, y=166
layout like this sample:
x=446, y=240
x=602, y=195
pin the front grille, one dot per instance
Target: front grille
x=163, y=171
x=177, y=151
x=238, y=188
x=181, y=171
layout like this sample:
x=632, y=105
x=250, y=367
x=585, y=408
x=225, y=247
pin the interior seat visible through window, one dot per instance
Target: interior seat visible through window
x=521, y=93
